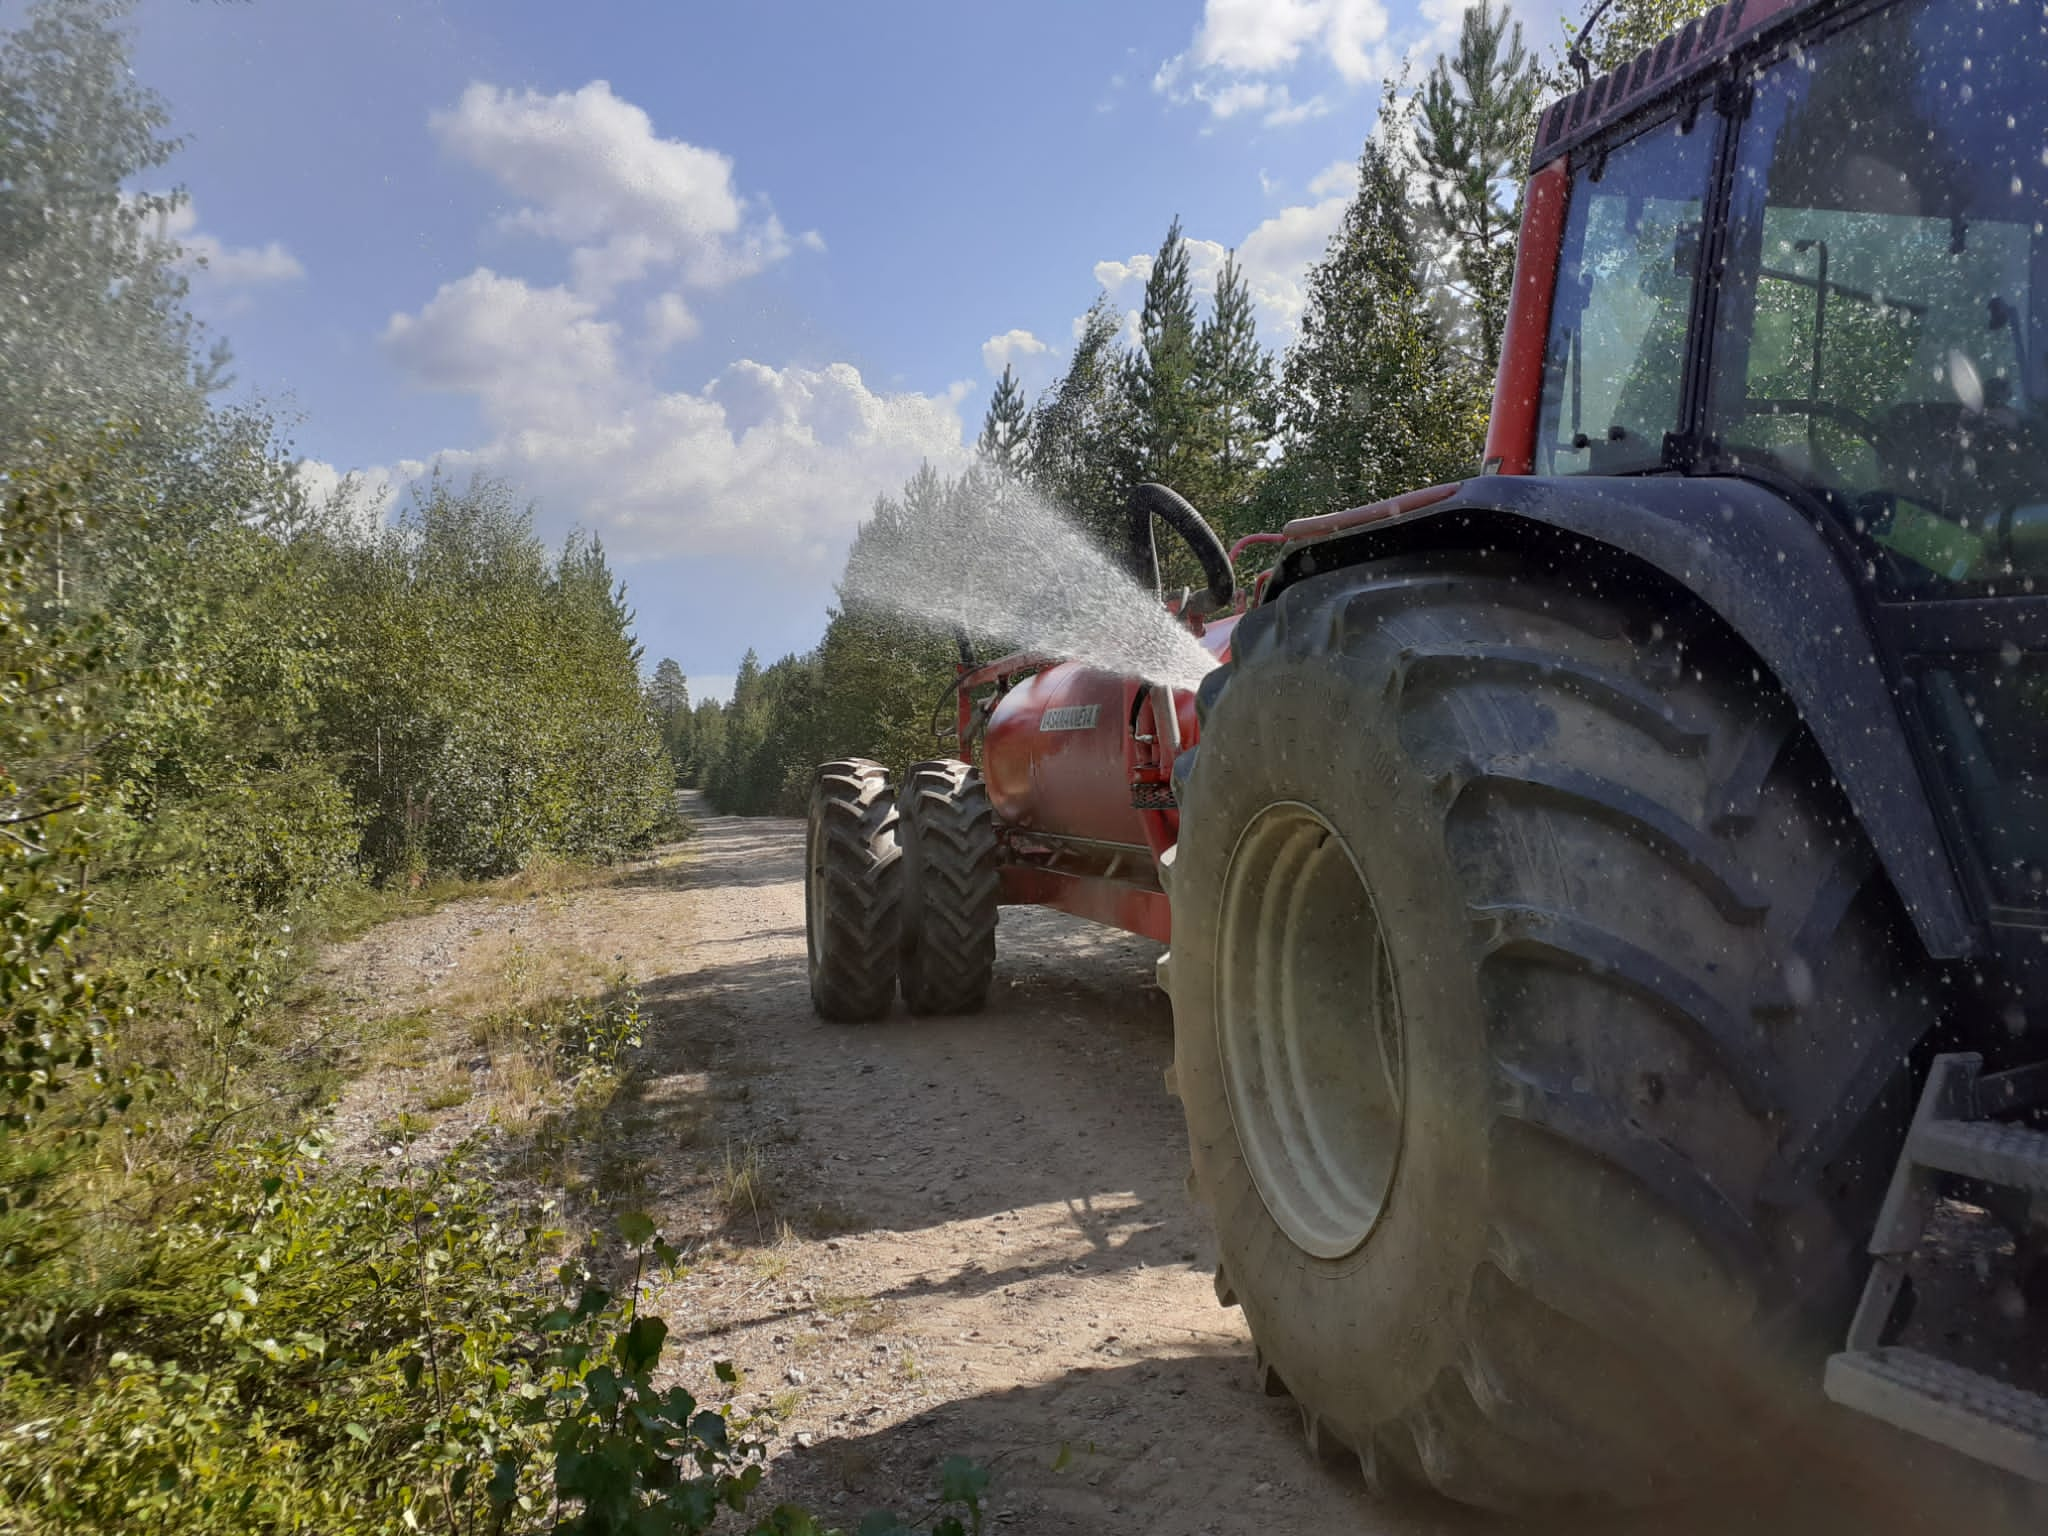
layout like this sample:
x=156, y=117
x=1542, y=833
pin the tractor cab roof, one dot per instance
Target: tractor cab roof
x=1654, y=73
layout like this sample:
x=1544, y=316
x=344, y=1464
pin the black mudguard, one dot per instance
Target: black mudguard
x=1772, y=577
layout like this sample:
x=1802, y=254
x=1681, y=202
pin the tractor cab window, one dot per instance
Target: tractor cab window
x=1614, y=364
x=1885, y=302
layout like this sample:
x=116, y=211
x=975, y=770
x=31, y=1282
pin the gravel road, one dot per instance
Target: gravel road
x=923, y=1237
x=1021, y=1276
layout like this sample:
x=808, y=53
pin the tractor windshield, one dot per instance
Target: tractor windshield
x=1884, y=306
x=1614, y=369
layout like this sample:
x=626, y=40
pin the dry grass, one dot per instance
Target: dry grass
x=879, y=1318
x=505, y=976
x=863, y=1315
x=551, y=880
x=742, y=1187
x=769, y=1263
x=452, y=1089
x=829, y=1218
x=403, y=1127
x=513, y=1010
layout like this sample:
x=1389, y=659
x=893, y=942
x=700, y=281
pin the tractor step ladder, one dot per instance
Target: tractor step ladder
x=1965, y=1410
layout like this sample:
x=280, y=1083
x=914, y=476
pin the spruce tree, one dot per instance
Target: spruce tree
x=1237, y=395
x=1166, y=413
x=1471, y=135
x=1006, y=429
x=1373, y=403
x=746, y=686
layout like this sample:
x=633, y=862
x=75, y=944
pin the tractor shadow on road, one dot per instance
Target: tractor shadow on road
x=1135, y=1447
x=1051, y=1098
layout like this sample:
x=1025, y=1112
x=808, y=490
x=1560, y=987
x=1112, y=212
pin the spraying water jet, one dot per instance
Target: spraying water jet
x=1022, y=575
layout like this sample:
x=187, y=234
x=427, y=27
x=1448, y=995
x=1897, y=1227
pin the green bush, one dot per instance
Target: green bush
x=276, y=841
x=486, y=703
x=337, y=1352
x=219, y=708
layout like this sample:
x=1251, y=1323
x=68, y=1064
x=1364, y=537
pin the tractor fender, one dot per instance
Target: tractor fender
x=1765, y=569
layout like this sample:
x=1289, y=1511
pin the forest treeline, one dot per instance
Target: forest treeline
x=235, y=719
x=1385, y=387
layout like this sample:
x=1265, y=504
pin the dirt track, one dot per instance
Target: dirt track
x=915, y=1239
x=1022, y=1269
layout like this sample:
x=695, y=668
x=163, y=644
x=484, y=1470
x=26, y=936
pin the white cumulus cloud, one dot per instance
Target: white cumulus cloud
x=1241, y=46
x=597, y=177
x=771, y=468
x=227, y=266
x=528, y=354
x=1274, y=257
x=669, y=321
x=1268, y=36
x=1010, y=348
x=1339, y=176
x=361, y=498
x=780, y=464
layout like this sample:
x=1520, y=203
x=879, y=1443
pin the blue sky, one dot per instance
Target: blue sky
x=706, y=278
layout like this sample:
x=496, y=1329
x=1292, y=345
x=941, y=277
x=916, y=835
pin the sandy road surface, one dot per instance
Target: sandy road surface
x=923, y=1237
x=1021, y=1269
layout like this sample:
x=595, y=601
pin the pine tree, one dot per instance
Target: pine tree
x=1006, y=429
x=1373, y=403
x=1167, y=415
x=1238, y=397
x=1475, y=111
x=670, y=690
x=707, y=741
x=1082, y=429
x=668, y=700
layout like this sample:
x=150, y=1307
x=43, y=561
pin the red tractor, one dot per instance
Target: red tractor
x=1608, y=898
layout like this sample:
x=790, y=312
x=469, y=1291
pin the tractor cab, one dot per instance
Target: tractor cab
x=1807, y=247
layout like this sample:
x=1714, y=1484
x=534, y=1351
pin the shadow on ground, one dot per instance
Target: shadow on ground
x=1082, y=1472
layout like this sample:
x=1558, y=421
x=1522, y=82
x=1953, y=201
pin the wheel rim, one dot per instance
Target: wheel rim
x=1309, y=1026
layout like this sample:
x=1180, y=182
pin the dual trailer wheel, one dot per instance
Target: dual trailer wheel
x=899, y=888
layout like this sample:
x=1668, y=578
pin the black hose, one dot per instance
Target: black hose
x=1152, y=500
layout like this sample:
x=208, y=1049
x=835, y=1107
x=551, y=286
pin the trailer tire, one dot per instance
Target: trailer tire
x=852, y=891
x=1571, y=1209
x=950, y=887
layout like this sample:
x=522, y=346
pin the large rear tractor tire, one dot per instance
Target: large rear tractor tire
x=853, y=910
x=1538, y=1017
x=949, y=918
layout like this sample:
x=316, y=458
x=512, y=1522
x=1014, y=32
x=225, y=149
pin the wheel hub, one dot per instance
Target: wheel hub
x=1310, y=1030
